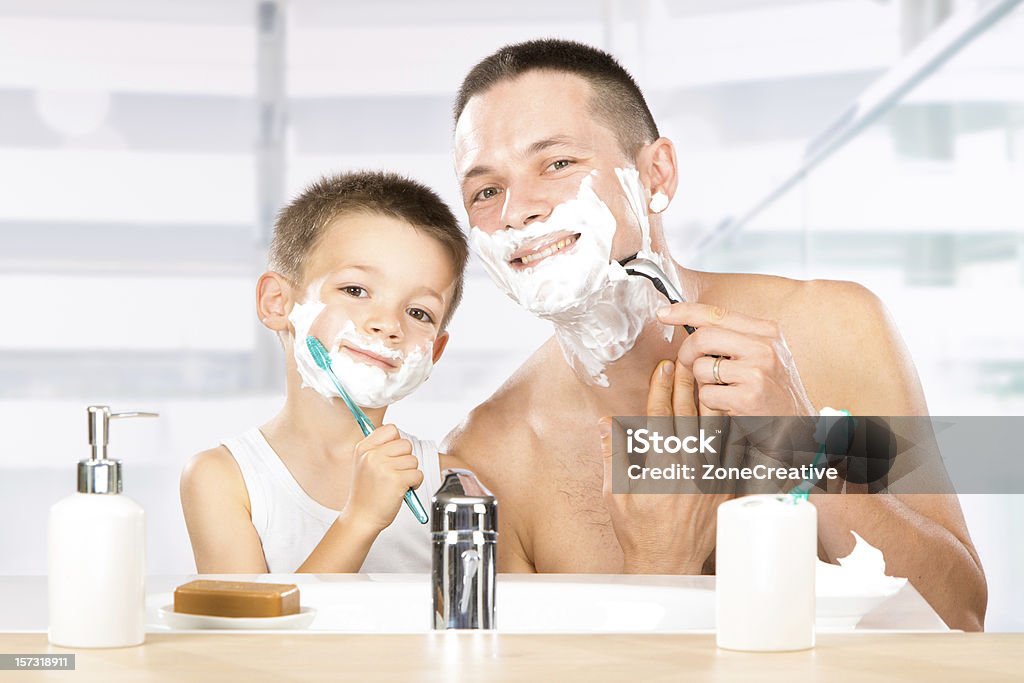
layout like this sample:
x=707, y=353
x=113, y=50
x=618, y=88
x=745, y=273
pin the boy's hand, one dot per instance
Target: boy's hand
x=384, y=469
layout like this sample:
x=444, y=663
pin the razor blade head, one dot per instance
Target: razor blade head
x=646, y=268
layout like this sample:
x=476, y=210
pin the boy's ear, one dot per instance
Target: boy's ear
x=439, y=344
x=658, y=169
x=273, y=301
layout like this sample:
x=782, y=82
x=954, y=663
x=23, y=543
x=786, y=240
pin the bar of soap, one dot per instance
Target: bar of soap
x=236, y=598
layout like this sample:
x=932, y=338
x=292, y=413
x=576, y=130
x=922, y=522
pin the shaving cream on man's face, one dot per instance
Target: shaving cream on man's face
x=559, y=282
x=598, y=310
x=369, y=385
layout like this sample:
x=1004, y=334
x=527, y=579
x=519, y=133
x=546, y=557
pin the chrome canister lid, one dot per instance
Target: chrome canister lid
x=463, y=504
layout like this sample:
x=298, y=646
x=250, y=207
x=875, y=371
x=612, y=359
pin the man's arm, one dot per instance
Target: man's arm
x=850, y=356
x=876, y=376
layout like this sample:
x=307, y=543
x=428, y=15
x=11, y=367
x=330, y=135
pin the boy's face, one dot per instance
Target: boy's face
x=375, y=290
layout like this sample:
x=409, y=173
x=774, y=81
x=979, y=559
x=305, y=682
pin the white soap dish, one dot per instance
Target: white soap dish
x=180, y=620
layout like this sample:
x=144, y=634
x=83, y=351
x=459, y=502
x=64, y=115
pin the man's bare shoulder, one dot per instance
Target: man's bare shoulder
x=751, y=294
x=839, y=315
x=860, y=350
x=845, y=302
x=773, y=297
x=846, y=344
x=506, y=424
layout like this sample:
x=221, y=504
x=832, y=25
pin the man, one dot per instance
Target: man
x=554, y=143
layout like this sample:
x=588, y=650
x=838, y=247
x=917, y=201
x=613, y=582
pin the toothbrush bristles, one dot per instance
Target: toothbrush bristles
x=319, y=352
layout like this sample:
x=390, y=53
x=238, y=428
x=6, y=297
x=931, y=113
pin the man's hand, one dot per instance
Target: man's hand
x=384, y=469
x=757, y=371
x=662, y=533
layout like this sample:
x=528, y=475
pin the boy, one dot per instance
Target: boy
x=371, y=264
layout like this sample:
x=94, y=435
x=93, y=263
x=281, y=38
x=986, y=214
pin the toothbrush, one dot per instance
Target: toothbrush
x=323, y=361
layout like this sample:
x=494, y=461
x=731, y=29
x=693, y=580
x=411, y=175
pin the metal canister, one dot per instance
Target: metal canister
x=464, y=526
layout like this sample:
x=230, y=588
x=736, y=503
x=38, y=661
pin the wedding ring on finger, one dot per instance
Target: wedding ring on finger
x=714, y=371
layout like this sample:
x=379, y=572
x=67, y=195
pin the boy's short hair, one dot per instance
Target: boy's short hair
x=301, y=224
x=616, y=99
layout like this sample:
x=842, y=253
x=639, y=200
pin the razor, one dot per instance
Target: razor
x=646, y=268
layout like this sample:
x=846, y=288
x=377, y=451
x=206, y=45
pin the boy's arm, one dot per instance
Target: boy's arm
x=343, y=548
x=218, y=517
x=385, y=468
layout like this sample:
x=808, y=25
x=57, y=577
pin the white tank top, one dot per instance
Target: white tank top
x=291, y=524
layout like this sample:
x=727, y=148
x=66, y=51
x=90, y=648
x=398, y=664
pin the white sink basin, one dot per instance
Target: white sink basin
x=400, y=603
x=545, y=603
x=550, y=603
x=523, y=606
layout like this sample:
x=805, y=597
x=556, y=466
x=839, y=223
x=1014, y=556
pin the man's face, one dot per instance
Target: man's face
x=375, y=294
x=524, y=147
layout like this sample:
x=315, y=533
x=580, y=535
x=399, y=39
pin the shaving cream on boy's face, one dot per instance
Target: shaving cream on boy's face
x=562, y=270
x=361, y=362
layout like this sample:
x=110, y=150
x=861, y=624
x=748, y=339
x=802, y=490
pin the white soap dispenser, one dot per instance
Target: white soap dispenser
x=97, y=552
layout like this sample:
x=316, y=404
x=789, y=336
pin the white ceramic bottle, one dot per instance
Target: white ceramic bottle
x=97, y=553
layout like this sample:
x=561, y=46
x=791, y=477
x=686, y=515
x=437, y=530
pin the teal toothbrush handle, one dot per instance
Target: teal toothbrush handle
x=412, y=501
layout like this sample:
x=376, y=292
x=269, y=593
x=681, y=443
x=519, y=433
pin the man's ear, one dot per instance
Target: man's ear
x=439, y=345
x=658, y=169
x=274, y=301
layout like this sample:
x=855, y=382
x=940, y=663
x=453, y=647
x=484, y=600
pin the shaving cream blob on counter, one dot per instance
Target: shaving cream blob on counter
x=370, y=386
x=597, y=309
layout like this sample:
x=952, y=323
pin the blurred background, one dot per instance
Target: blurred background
x=146, y=145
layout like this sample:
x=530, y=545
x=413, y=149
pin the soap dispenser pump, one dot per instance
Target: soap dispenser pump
x=97, y=552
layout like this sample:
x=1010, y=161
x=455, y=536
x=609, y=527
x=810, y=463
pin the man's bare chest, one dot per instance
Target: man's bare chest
x=570, y=530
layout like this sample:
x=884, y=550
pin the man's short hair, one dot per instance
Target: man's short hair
x=302, y=223
x=616, y=99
